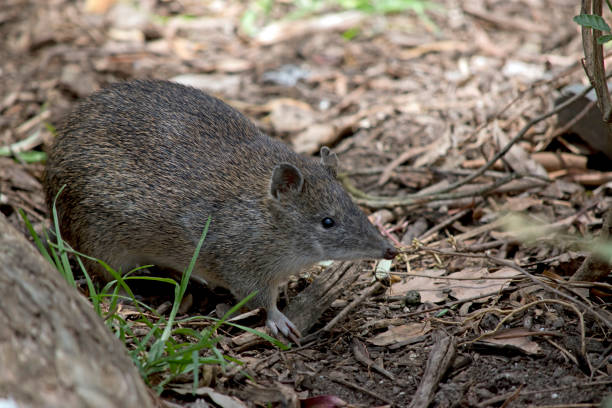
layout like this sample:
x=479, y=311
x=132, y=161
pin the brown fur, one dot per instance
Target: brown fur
x=144, y=165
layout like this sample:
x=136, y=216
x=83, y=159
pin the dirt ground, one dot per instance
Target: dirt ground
x=411, y=103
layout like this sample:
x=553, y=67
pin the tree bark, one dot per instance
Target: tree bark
x=55, y=351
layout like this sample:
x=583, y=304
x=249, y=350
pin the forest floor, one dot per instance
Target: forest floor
x=411, y=102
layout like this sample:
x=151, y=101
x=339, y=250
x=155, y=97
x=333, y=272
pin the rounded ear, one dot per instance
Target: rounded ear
x=329, y=159
x=286, y=178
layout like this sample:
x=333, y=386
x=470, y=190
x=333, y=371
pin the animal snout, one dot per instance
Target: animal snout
x=390, y=253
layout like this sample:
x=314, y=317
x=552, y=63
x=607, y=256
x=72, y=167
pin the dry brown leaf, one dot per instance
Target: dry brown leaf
x=517, y=157
x=222, y=400
x=477, y=163
x=212, y=83
x=285, y=30
x=266, y=394
x=184, y=49
x=17, y=177
x=128, y=35
x=290, y=115
x=438, y=149
x=430, y=288
x=520, y=203
x=438, y=46
x=517, y=337
x=98, y=6
x=312, y=138
x=465, y=289
x=402, y=333
x=232, y=65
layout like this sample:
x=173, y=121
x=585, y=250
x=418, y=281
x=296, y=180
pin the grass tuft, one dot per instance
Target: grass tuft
x=169, y=348
x=262, y=12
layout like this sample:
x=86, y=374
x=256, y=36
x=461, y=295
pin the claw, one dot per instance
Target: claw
x=277, y=321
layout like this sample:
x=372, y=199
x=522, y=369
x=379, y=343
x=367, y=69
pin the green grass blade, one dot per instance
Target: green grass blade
x=196, y=370
x=34, y=235
x=180, y=291
x=60, y=243
x=263, y=335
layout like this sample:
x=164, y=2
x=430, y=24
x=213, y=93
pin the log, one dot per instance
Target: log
x=55, y=351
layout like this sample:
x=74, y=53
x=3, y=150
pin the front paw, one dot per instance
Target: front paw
x=278, y=322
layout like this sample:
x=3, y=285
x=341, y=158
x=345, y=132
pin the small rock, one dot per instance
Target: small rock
x=412, y=298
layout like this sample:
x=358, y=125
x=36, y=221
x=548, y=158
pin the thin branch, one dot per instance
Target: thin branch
x=539, y=282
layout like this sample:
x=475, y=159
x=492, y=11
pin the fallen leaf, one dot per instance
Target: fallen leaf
x=436, y=150
x=290, y=115
x=98, y=6
x=323, y=401
x=517, y=337
x=213, y=83
x=233, y=65
x=430, y=288
x=482, y=282
x=285, y=30
x=313, y=137
x=17, y=177
x=224, y=401
x=520, y=203
x=517, y=157
x=128, y=35
x=397, y=334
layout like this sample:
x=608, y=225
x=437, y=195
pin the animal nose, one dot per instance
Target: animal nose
x=390, y=253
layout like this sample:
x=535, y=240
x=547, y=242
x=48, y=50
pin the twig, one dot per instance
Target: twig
x=588, y=308
x=361, y=355
x=563, y=351
x=480, y=278
x=513, y=312
x=442, y=224
x=382, y=202
x=512, y=396
x=418, y=170
x=346, y=310
x=388, y=170
x=440, y=359
x=487, y=245
x=519, y=136
x=359, y=388
x=378, y=202
x=23, y=145
x=539, y=282
x=493, y=401
x=457, y=302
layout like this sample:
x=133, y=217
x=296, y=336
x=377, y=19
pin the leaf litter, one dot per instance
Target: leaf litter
x=412, y=105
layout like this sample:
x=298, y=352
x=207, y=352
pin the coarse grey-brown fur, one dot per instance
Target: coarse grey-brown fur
x=145, y=163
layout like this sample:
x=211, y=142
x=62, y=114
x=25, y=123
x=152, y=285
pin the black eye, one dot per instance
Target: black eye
x=327, y=222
